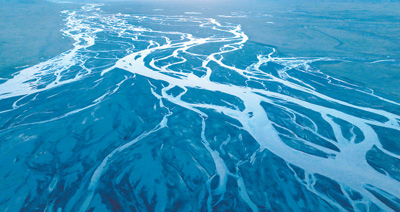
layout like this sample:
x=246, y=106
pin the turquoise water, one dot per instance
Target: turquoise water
x=184, y=113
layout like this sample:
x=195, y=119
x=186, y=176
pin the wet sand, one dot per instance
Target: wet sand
x=358, y=32
x=30, y=33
